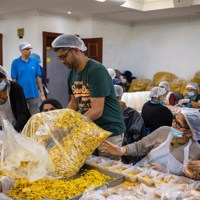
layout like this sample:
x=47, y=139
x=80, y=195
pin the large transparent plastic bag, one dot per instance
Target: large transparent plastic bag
x=69, y=137
x=22, y=157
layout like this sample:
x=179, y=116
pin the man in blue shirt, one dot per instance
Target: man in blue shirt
x=26, y=71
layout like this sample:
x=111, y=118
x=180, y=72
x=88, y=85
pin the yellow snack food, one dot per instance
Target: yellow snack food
x=57, y=189
x=134, y=173
x=68, y=136
x=146, y=180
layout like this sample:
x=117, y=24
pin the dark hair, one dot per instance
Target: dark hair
x=53, y=102
x=2, y=75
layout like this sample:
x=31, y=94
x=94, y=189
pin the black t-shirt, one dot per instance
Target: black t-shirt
x=156, y=115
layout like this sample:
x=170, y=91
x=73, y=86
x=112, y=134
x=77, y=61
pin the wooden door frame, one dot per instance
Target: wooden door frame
x=45, y=36
x=1, y=49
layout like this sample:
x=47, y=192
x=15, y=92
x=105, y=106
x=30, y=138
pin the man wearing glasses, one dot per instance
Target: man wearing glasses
x=90, y=87
x=26, y=71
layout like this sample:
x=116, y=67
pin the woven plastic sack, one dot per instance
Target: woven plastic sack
x=69, y=137
x=138, y=85
x=149, y=86
x=163, y=76
x=196, y=78
x=183, y=90
x=22, y=157
x=176, y=85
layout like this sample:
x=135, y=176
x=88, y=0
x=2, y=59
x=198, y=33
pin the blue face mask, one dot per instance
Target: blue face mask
x=2, y=85
x=161, y=102
x=176, y=133
x=190, y=94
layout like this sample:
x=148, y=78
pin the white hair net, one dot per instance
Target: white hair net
x=111, y=72
x=164, y=84
x=157, y=92
x=118, y=90
x=3, y=71
x=69, y=41
x=192, y=117
x=193, y=86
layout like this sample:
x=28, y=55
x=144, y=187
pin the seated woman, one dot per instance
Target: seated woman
x=169, y=98
x=154, y=113
x=50, y=104
x=13, y=105
x=170, y=147
x=193, y=98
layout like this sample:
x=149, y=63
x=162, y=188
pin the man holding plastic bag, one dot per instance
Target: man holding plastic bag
x=170, y=147
x=90, y=87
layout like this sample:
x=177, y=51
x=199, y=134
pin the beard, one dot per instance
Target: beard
x=73, y=64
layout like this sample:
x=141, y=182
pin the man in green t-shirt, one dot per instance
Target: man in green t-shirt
x=90, y=86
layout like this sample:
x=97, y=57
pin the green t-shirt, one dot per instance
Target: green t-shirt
x=94, y=81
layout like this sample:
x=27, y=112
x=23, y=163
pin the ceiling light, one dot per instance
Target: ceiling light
x=69, y=12
x=101, y=0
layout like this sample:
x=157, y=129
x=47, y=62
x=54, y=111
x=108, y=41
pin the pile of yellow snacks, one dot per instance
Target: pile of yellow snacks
x=57, y=189
x=68, y=136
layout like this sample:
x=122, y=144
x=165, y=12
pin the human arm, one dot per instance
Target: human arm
x=19, y=106
x=113, y=149
x=182, y=102
x=192, y=169
x=194, y=165
x=96, y=110
x=39, y=83
x=73, y=104
x=195, y=104
x=142, y=147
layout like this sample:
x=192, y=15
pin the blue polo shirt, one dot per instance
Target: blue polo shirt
x=26, y=73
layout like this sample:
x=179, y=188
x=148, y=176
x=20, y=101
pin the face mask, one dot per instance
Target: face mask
x=2, y=85
x=191, y=93
x=164, y=90
x=161, y=102
x=176, y=133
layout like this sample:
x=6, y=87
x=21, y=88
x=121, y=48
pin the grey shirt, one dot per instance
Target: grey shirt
x=157, y=137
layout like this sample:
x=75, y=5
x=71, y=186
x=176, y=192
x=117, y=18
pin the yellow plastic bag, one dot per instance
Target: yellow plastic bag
x=68, y=136
x=22, y=157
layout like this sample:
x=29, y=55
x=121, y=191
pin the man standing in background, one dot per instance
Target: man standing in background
x=90, y=87
x=26, y=71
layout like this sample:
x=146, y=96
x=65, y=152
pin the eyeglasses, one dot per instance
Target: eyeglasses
x=27, y=49
x=178, y=124
x=64, y=55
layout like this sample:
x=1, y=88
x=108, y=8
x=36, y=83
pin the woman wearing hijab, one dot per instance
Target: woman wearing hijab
x=170, y=147
x=13, y=105
x=50, y=104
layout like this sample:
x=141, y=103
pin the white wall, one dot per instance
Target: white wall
x=142, y=49
x=172, y=47
x=34, y=25
x=116, y=43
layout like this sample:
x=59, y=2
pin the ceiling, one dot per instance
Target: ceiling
x=139, y=11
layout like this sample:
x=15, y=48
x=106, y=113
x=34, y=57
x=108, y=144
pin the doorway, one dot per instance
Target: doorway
x=56, y=73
